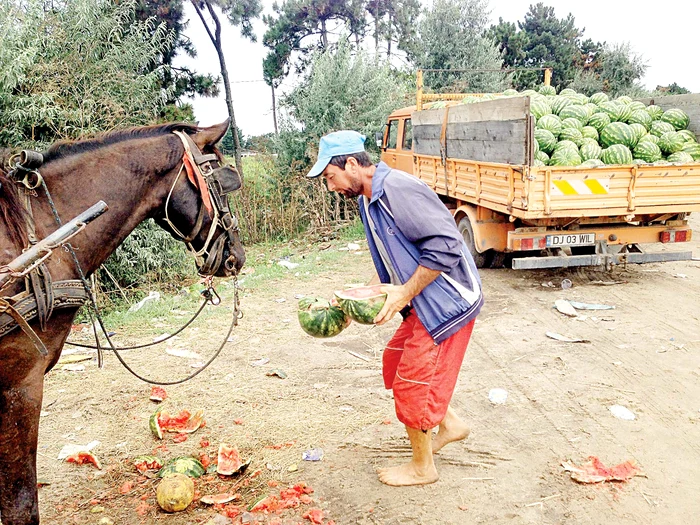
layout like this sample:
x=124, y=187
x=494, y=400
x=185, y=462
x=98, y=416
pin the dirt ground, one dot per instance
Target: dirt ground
x=644, y=354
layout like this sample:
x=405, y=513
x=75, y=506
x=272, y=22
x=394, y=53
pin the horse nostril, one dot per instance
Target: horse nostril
x=230, y=263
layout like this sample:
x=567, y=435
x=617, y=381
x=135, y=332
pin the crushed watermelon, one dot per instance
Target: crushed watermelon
x=83, y=458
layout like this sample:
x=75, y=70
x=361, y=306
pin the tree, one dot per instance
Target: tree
x=616, y=70
x=672, y=89
x=452, y=37
x=393, y=22
x=78, y=68
x=239, y=13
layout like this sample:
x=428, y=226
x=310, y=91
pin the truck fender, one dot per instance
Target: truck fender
x=489, y=233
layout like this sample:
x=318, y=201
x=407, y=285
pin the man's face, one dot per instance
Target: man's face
x=346, y=181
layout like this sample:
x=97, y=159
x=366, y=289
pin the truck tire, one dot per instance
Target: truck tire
x=482, y=260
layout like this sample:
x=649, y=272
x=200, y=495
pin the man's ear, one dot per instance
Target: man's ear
x=351, y=164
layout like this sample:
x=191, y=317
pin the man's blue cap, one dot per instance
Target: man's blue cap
x=334, y=144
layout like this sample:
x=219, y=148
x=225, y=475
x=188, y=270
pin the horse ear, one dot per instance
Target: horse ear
x=211, y=135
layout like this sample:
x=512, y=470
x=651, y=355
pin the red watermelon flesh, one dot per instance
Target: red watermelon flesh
x=182, y=422
x=218, y=499
x=229, y=460
x=82, y=458
x=362, y=304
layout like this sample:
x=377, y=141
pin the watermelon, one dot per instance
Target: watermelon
x=546, y=140
x=617, y=154
x=624, y=99
x=540, y=107
x=536, y=147
x=612, y=109
x=688, y=135
x=175, y=493
x=229, y=461
x=693, y=148
x=589, y=132
x=650, y=138
x=592, y=163
x=654, y=111
x=640, y=116
x=624, y=113
x=680, y=157
x=636, y=105
x=550, y=123
x=678, y=118
x=571, y=134
x=591, y=108
x=510, y=93
x=318, y=318
x=538, y=163
x=542, y=157
x=362, y=304
x=661, y=163
x=571, y=123
x=599, y=98
x=183, y=422
x=599, y=121
x=659, y=127
x=84, y=457
x=591, y=151
x=671, y=142
x=219, y=499
x=575, y=111
x=639, y=131
x=617, y=133
x=565, y=157
x=158, y=394
x=567, y=91
x=529, y=93
x=144, y=463
x=186, y=465
x=647, y=151
x=547, y=90
x=566, y=144
x=639, y=161
x=559, y=103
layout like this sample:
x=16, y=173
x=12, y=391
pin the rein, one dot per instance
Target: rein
x=213, y=191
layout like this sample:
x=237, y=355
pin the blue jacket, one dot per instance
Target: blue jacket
x=417, y=229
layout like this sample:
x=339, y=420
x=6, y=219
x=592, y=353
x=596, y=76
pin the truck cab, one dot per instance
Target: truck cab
x=397, y=140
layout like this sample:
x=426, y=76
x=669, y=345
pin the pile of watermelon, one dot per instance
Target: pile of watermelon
x=572, y=129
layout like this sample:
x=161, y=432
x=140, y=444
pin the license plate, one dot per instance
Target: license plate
x=571, y=239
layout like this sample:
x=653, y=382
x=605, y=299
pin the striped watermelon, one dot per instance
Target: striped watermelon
x=571, y=134
x=559, y=102
x=591, y=151
x=535, y=147
x=650, y=138
x=589, y=132
x=538, y=163
x=567, y=91
x=599, y=121
x=671, y=142
x=624, y=99
x=592, y=163
x=542, y=157
x=639, y=131
x=581, y=99
x=681, y=157
x=617, y=133
x=571, y=123
x=636, y=105
x=612, y=109
x=659, y=127
x=688, y=135
x=587, y=140
x=599, y=98
x=693, y=148
x=639, y=161
x=566, y=144
x=547, y=90
x=565, y=157
x=617, y=154
x=575, y=111
x=539, y=107
x=186, y=465
x=551, y=123
x=678, y=118
x=546, y=139
x=592, y=108
x=654, y=111
x=361, y=304
x=625, y=112
x=640, y=116
x=647, y=151
x=529, y=93
x=318, y=318
x=661, y=162
x=510, y=93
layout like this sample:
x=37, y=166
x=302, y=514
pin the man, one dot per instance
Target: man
x=431, y=280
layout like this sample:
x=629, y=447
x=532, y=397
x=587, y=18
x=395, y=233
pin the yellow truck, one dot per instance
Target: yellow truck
x=479, y=157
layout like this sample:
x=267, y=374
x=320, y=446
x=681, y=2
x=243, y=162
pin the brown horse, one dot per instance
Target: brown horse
x=137, y=172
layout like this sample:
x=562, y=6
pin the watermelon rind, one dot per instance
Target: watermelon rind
x=617, y=154
x=599, y=98
x=678, y=118
x=548, y=90
x=693, y=149
x=639, y=131
x=572, y=134
x=592, y=163
x=575, y=111
x=538, y=163
x=589, y=132
x=542, y=157
x=565, y=157
x=227, y=467
x=659, y=127
x=599, y=121
x=688, y=135
x=362, y=311
x=567, y=91
x=590, y=151
x=510, y=93
x=571, y=122
x=551, y=123
x=617, y=133
x=318, y=318
x=612, y=109
x=154, y=424
x=219, y=499
x=647, y=151
x=559, y=103
x=636, y=105
x=650, y=138
x=640, y=116
x=546, y=140
x=186, y=465
x=671, y=142
x=540, y=107
x=654, y=111
x=680, y=157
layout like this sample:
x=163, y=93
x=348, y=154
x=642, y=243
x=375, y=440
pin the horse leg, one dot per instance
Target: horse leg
x=19, y=427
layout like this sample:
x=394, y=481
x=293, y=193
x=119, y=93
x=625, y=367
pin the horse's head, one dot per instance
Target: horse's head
x=197, y=210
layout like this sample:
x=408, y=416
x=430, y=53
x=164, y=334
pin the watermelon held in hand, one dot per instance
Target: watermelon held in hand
x=229, y=461
x=175, y=492
x=318, y=318
x=183, y=422
x=361, y=304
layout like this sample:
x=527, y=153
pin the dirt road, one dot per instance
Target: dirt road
x=644, y=355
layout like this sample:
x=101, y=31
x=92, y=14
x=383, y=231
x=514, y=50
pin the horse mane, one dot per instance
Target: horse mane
x=12, y=211
x=66, y=148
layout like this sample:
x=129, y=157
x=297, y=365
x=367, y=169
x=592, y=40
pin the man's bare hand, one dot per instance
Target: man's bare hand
x=396, y=298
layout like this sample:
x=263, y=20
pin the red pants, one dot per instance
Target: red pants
x=422, y=374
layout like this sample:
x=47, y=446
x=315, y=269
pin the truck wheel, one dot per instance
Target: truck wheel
x=482, y=260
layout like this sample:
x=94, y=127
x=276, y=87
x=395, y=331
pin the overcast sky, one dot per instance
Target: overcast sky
x=665, y=37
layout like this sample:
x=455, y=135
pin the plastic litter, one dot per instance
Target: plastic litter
x=565, y=308
x=152, y=296
x=593, y=471
x=260, y=362
x=277, y=372
x=498, y=396
x=564, y=339
x=566, y=284
x=590, y=306
x=313, y=454
x=288, y=265
x=621, y=412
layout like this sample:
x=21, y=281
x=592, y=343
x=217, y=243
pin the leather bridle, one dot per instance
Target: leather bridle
x=214, y=182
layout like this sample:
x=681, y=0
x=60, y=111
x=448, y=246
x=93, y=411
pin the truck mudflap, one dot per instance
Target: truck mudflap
x=634, y=256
